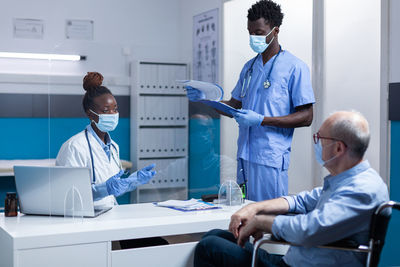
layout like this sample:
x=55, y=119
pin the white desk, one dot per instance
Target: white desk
x=57, y=241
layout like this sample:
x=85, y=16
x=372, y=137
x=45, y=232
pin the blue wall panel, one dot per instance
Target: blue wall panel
x=204, y=162
x=390, y=251
x=40, y=138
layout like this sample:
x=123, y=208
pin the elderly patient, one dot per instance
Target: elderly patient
x=342, y=208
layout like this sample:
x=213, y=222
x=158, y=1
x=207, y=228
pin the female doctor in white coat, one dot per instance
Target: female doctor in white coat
x=94, y=148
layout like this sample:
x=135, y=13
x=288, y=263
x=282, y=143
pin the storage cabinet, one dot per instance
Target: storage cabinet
x=159, y=128
x=95, y=254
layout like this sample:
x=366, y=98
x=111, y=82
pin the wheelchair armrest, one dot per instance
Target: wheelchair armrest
x=345, y=243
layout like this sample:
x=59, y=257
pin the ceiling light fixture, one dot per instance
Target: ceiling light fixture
x=42, y=56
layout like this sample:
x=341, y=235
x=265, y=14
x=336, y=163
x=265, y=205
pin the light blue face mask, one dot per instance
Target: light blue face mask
x=318, y=154
x=259, y=42
x=107, y=122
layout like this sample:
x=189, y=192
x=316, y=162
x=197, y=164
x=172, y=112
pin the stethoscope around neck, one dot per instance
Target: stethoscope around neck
x=91, y=156
x=249, y=73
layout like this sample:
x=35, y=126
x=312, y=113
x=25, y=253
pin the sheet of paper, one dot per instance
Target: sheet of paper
x=212, y=91
x=187, y=205
x=178, y=203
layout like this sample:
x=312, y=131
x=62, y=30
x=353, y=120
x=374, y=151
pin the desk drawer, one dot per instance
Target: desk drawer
x=78, y=256
x=174, y=255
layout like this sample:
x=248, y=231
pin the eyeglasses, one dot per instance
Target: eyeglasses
x=317, y=137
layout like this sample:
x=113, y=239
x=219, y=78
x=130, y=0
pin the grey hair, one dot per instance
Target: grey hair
x=353, y=131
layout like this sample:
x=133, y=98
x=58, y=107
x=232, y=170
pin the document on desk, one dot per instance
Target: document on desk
x=187, y=205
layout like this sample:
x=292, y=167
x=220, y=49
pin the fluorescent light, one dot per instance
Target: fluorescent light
x=42, y=56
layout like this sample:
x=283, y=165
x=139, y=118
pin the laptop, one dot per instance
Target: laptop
x=55, y=190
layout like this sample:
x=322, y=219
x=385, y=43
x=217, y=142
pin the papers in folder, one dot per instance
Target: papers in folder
x=211, y=91
x=187, y=205
x=213, y=94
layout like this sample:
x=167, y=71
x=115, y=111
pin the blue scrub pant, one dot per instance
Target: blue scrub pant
x=262, y=182
x=219, y=248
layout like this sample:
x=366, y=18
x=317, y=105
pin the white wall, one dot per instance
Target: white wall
x=352, y=63
x=149, y=29
x=295, y=36
x=394, y=45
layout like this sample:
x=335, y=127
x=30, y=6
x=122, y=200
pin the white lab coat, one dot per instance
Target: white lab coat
x=75, y=153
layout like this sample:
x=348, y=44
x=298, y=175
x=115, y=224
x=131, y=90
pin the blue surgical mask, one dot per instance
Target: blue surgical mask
x=107, y=122
x=259, y=42
x=318, y=154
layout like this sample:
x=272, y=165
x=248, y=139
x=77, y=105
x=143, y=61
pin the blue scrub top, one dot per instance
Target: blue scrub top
x=290, y=87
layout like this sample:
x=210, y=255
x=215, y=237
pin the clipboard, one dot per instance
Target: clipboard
x=221, y=107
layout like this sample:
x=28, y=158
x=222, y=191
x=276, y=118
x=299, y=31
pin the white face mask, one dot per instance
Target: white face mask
x=259, y=42
x=107, y=122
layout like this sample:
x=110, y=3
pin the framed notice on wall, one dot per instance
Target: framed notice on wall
x=79, y=29
x=28, y=28
x=205, y=46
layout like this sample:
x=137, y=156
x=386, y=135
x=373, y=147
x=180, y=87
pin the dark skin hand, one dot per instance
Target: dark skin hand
x=303, y=115
x=104, y=104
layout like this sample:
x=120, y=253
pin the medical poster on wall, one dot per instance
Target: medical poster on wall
x=205, y=46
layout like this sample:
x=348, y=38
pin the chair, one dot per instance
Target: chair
x=379, y=223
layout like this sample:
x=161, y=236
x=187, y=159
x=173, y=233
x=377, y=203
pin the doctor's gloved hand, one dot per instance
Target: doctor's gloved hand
x=103, y=189
x=248, y=118
x=144, y=175
x=117, y=186
x=194, y=94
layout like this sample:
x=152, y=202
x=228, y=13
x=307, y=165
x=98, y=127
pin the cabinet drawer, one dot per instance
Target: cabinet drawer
x=84, y=255
x=175, y=255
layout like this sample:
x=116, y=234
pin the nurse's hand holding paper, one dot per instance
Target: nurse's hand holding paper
x=194, y=94
x=199, y=90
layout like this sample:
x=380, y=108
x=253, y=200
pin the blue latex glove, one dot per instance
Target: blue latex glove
x=100, y=190
x=117, y=186
x=248, y=118
x=142, y=176
x=194, y=94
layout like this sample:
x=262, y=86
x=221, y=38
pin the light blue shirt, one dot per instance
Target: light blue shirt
x=290, y=87
x=342, y=208
x=106, y=146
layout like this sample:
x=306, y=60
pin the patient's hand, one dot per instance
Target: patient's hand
x=256, y=227
x=240, y=218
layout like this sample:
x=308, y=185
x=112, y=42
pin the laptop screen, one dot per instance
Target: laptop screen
x=61, y=191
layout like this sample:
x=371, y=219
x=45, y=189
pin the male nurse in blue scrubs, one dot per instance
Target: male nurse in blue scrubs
x=275, y=94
